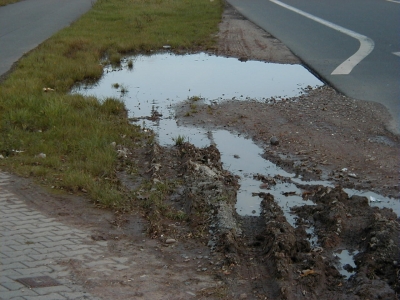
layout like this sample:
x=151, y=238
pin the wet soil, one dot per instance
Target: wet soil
x=316, y=135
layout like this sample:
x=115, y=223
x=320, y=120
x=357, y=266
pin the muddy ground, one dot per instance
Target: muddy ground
x=222, y=255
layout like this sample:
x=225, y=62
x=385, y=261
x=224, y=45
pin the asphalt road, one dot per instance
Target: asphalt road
x=324, y=47
x=26, y=24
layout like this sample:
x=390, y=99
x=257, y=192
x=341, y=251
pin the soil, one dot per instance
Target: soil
x=315, y=135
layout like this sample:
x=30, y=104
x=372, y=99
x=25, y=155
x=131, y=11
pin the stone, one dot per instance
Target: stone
x=274, y=141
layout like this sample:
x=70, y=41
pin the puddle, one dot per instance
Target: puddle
x=159, y=82
x=162, y=80
x=345, y=257
x=377, y=200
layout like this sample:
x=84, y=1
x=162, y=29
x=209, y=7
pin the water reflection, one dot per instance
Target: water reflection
x=159, y=82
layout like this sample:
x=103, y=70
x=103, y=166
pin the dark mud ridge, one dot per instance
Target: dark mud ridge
x=265, y=257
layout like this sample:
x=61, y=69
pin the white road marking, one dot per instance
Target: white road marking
x=394, y=1
x=396, y=53
x=366, y=44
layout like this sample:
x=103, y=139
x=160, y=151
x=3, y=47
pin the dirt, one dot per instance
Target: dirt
x=315, y=135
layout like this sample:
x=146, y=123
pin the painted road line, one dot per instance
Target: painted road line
x=396, y=53
x=366, y=44
x=394, y=1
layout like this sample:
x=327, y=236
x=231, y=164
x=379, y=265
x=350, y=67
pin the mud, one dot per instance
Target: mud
x=187, y=194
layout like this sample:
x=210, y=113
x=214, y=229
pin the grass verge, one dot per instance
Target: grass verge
x=5, y=2
x=65, y=140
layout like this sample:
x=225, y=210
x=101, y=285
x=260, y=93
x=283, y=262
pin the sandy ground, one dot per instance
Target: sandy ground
x=221, y=255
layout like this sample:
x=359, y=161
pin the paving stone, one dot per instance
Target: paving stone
x=35, y=263
x=52, y=289
x=48, y=255
x=3, y=289
x=100, y=263
x=37, y=239
x=12, y=266
x=47, y=250
x=11, y=285
x=30, y=271
x=9, y=274
x=28, y=252
x=77, y=246
x=18, y=293
x=52, y=296
x=75, y=253
x=76, y=295
x=32, y=244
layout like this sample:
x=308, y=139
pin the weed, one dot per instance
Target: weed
x=195, y=98
x=179, y=140
x=123, y=90
x=177, y=215
x=115, y=58
x=130, y=64
x=115, y=85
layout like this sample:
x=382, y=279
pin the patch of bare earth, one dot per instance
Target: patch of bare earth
x=218, y=254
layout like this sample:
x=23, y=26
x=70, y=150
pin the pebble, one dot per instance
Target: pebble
x=243, y=296
x=170, y=241
x=274, y=141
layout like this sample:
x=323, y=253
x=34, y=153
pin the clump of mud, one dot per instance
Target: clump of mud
x=265, y=257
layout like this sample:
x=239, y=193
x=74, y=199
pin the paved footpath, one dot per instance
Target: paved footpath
x=33, y=247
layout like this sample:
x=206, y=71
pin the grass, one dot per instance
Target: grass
x=5, y=2
x=179, y=140
x=75, y=132
x=155, y=207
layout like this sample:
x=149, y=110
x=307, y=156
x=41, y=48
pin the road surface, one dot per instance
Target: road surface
x=26, y=24
x=353, y=45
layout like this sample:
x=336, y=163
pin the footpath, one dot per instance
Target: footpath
x=35, y=251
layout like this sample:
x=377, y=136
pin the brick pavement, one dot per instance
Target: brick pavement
x=33, y=245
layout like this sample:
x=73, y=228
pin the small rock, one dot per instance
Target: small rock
x=41, y=155
x=170, y=241
x=1, y=156
x=243, y=296
x=274, y=141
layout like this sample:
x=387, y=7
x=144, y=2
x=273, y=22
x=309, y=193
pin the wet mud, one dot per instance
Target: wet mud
x=266, y=257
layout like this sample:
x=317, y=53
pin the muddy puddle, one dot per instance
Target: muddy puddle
x=152, y=87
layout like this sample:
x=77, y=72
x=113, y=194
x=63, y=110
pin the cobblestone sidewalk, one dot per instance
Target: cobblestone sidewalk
x=32, y=247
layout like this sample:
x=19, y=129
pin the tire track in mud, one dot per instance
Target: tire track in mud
x=265, y=257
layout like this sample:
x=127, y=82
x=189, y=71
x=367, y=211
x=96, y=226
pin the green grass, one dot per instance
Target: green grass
x=75, y=132
x=179, y=140
x=5, y=2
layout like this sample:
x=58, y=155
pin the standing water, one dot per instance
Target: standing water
x=158, y=82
